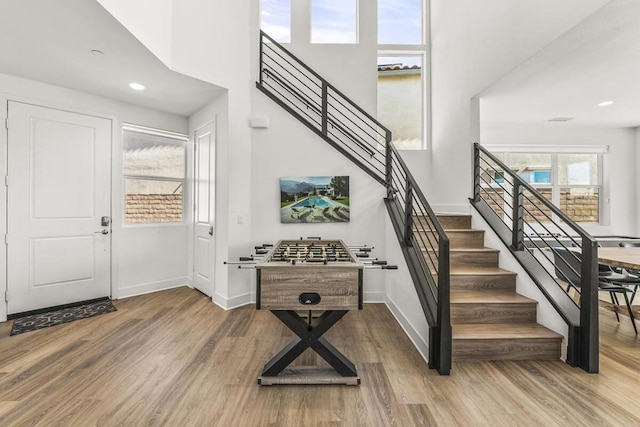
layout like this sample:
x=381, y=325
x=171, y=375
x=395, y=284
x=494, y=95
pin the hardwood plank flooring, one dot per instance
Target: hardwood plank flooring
x=174, y=358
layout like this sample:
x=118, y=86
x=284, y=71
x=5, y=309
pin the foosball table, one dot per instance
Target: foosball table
x=321, y=278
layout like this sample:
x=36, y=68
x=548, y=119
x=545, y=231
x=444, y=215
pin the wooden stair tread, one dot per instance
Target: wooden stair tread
x=464, y=270
x=502, y=331
x=489, y=297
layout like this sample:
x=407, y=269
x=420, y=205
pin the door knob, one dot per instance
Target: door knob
x=104, y=231
x=211, y=230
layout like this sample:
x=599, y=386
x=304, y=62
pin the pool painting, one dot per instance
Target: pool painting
x=314, y=199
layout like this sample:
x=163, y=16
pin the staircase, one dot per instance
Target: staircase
x=489, y=320
x=470, y=304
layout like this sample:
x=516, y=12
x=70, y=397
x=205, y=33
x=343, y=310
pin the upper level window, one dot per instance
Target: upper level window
x=154, y=174
x=334, y=21
x=401, y=99
x=275, y=19
x=400, y=22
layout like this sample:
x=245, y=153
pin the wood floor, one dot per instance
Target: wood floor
x=174, y=358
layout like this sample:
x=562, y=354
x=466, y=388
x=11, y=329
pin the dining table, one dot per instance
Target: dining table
x=628, y=258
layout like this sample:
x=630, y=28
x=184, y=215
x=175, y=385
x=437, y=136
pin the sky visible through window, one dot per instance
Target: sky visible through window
x=406, y=60
x=275, y=19
x=335, y=21
x=400, y=22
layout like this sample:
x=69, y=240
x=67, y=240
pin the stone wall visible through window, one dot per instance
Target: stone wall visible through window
x=154, y=174
x=571, y=181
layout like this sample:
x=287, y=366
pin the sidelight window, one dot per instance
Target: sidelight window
x=154, y=175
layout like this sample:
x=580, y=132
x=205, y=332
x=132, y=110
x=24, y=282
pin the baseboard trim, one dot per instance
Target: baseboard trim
x=420, y=344
x=234, y=302
x=147, y=288
x=374, y=297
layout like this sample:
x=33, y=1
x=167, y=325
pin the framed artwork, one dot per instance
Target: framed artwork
x=314, y=199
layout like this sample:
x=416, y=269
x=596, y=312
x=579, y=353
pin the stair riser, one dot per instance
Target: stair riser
x=506, y=349
x=500, y=282
x=493, y=313
x=477, y=259
x=466, y=239
x=455, y=222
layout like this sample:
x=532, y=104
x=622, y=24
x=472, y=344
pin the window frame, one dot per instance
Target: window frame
x=184, y=139
x=357, y=27
x=289, y=28
x=423, y=89
x=424, y=16
x=555, y=186
x=424, y=50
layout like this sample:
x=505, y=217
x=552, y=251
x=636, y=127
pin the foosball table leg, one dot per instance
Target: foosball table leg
x=309, y=336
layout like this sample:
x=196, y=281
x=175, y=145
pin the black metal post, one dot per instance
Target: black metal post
x=444, y=312
x=589, y=332
x=517, y=227
x=261, y=60
x=476, y=172
x=408, y=214
x=388, y=165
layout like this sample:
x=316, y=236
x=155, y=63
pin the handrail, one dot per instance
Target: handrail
x=319, y=77
x=322, y=108
x=537, y=252
x=318, y=109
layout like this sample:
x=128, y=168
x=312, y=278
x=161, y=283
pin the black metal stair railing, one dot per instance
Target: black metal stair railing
x=366, y=142
x=536, y=231
x=425, y=246
x=322, y=108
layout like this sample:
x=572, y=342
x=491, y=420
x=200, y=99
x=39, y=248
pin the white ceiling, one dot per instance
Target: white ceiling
x=51, y=41
x=597, y=60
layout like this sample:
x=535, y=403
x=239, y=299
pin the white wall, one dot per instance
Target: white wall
x=474, y=43
x=149, y=20
x=145, y=258
x=637, y=178
x=619, y=168
x=401, y=296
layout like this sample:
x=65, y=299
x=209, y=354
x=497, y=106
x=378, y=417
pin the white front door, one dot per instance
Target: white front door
x=59, y=173
x=204, y=188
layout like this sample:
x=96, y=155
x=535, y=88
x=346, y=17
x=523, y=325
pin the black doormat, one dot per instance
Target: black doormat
x=64, y=315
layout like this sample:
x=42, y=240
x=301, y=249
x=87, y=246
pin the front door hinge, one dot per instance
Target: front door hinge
x=6, y=180
x=6, y=123
x=6, y=296
x=6, y=239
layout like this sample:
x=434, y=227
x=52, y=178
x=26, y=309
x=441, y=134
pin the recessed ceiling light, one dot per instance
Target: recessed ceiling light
x=136, y=86
x=605, y=103
x=97, y=52
x=561, y=119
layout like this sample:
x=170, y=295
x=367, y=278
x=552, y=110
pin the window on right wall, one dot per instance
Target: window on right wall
x=571, y=181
